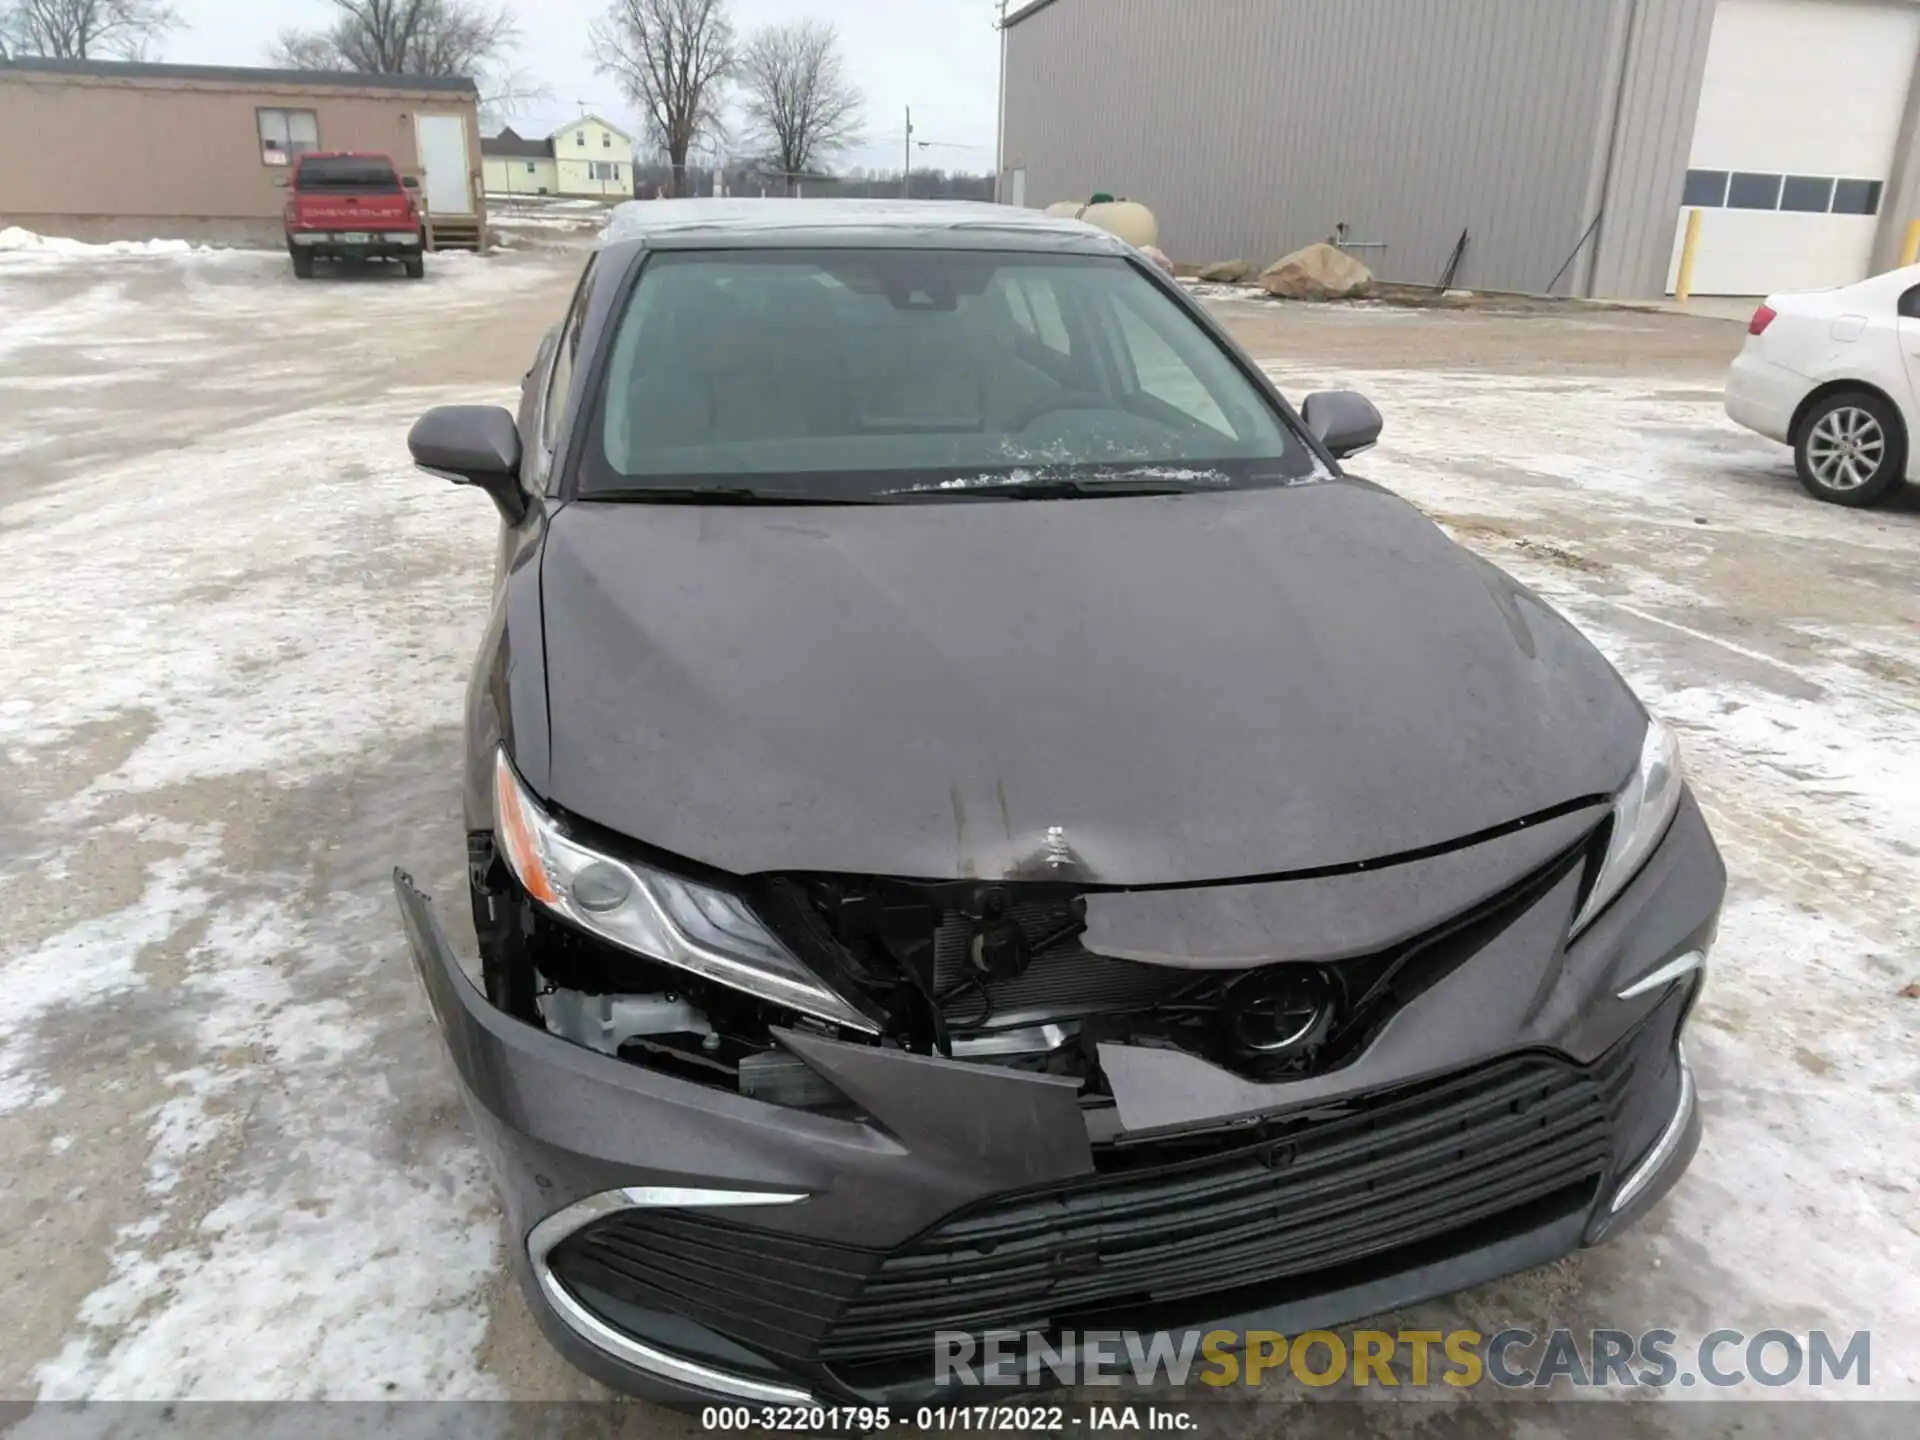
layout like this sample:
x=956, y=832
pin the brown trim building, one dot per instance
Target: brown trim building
x=102, y=151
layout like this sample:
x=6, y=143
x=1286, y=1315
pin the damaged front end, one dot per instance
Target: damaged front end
x=699, y=980
x=766, y=1136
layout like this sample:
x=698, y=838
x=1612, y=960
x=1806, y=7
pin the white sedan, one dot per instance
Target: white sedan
x=1833, y=373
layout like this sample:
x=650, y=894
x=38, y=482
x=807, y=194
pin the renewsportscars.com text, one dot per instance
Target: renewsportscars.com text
x=1512, y=1359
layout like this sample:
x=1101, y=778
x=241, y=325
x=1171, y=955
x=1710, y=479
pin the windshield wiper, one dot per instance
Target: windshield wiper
x=1059, y=487
x=715, y=495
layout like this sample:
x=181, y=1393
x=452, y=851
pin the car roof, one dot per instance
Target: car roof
x=737, y=223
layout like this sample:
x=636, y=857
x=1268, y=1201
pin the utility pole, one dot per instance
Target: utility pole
x=1000, y=136
x=906, y=174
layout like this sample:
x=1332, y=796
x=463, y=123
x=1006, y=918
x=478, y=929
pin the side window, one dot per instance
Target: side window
x=560, y=376
x=1159, y=371
x=1910, y=304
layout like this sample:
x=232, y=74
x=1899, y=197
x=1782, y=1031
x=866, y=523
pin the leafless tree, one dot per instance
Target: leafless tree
x=418, y=37
x=84, y=29
x=404, y=37
x=800, y=106
x=305, y=50
x=672, y=58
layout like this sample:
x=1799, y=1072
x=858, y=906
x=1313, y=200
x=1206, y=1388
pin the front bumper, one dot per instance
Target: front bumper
x=812, y=1206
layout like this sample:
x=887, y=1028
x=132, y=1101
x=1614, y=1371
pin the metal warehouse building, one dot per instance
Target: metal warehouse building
x=1567, y=138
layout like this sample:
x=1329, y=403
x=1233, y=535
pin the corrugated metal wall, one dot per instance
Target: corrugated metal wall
x=1254, y=126
x=1659, y=100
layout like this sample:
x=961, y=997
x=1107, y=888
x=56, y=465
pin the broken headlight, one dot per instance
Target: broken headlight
x=1641, y=812
x=660, y=916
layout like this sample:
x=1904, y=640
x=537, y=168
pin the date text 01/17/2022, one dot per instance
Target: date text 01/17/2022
x=933, y=1419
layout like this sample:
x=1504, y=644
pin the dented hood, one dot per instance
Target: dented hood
x=1120, y=690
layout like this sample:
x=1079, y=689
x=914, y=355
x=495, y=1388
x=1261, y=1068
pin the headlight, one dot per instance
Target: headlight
x=659, y=916
x=1641, y=812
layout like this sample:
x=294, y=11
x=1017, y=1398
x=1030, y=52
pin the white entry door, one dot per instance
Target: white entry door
x=442, y=141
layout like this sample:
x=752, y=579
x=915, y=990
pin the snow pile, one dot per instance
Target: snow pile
x=14, y=240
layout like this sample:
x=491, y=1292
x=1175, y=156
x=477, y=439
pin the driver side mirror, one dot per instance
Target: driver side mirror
x=412, y=182
x=476, y=445
x=1342, y=420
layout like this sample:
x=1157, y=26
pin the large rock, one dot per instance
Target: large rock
x=1225, y=272
x=1319, y=272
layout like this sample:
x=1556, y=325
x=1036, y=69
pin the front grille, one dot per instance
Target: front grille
x=1440, y=1160
x=1067, y=981
x=1393, y=1179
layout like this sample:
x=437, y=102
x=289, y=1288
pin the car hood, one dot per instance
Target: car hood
x=1116, y=690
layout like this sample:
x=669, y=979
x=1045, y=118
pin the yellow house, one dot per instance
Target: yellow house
x=593, y=158
x=511, y=165
x=586, y=157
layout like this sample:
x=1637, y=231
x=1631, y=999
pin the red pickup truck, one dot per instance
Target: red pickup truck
x=351, y=206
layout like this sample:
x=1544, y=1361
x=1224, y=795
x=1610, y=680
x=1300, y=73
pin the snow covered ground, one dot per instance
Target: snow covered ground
x=232, y=654
x=16, y=242
x=234, y=628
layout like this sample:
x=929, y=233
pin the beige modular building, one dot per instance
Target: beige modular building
x=122, y=151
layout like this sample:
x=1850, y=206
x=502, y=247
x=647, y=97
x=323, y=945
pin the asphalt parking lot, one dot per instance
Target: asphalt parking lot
x=236, y=629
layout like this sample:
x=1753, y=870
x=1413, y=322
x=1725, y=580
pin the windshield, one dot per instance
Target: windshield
x=343, y=173
x=876, y=374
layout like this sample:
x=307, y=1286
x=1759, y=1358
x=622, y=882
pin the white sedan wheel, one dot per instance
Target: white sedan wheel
x=1851, y=450
x=1846, y=448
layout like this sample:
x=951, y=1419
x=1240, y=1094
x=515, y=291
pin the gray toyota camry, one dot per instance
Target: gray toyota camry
x=979, y=824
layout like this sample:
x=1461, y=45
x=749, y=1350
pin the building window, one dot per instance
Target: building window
x=1753, y=192
x=580, y=137
x=1794, y=194
x=602, y=170
x=1705, y=188
x=1856, y=197
x=530, y=167
x=285, y=134
x=606, y=142
x=1807, y=194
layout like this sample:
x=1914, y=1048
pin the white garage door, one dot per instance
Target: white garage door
x=1800, y=111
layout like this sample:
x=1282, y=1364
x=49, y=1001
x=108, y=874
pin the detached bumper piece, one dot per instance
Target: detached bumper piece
x=1393, y=1183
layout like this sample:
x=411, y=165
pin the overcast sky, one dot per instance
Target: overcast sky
x=942, y=57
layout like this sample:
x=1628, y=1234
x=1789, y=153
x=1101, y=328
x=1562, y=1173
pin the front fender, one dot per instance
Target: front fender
x=507, y=692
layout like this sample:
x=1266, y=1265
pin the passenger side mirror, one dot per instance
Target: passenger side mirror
x=412, y=182
x=1342, y=420
x=476, y=445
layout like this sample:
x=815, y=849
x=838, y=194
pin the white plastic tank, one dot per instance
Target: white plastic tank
x=1128, y=219
x=1065, y=209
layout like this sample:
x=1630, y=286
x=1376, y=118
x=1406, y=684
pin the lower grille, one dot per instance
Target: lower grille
x=1393, y=1178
